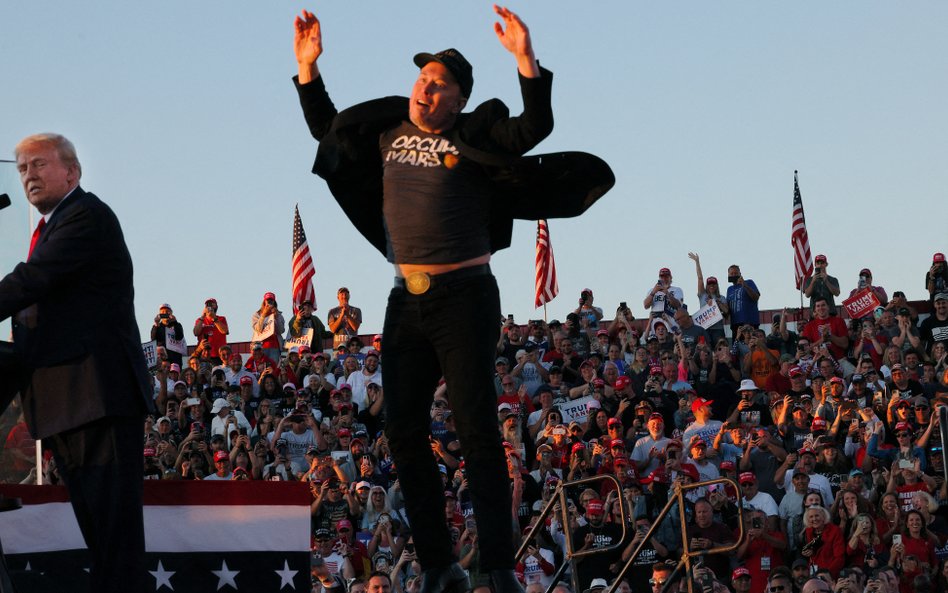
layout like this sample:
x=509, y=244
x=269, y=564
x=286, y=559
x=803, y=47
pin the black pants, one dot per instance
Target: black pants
x=452, y=330
x=102, y=466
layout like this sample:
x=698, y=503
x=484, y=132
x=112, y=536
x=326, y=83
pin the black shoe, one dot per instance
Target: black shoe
x=447, y=579
x=504, y=581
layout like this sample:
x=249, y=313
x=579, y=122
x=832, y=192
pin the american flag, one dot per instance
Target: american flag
x=303, y=270
x=546, y=267
x=802, y=258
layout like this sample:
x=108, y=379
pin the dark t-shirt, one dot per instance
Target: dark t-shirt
x=436, y=204
x=934, y=330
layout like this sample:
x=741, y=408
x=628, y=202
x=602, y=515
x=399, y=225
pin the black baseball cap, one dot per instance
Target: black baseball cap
x=456, y=64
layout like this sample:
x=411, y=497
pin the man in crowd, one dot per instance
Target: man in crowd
x=344, y=320
x=935, y=327
x=663, y=297
x=305, y=321
x=83, y=392
x=212, y=329
x=167, y=329
x=370, y=373
x=742, y=297
x=826, y=329
x=821, y=286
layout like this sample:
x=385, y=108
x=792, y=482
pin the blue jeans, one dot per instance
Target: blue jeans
x=451, y=330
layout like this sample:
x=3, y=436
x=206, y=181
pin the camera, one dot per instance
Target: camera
x=757, y=523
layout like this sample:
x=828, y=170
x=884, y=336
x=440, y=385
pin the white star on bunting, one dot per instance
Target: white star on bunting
x=162, y=577
x=225, y=576
x=286, y=576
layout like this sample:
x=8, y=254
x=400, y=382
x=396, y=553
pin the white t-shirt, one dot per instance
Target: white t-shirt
x=765, y=503
x=358, y=381
x=532, y=573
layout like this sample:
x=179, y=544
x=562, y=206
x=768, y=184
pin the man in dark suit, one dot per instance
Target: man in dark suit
x=84, y=384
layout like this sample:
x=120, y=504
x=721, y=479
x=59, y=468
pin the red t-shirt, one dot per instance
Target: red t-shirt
x=907, y=491
x=216, y=338
x=837, y=327
x=761, y=557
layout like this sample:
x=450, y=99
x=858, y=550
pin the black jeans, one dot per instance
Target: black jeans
x=451, y=330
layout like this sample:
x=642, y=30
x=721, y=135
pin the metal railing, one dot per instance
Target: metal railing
x=559, y=497
x=677, y=497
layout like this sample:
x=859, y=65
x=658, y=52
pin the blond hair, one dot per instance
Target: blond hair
x=64, y=148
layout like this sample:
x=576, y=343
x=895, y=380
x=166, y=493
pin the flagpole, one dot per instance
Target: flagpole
x=544, y=313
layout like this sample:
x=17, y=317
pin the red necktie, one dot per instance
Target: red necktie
x=36, y=236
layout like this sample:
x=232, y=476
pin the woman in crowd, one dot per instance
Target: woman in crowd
x=271, y=333
x=864, y=546
x=822, y=542
x=917, y=541
x=890, y=510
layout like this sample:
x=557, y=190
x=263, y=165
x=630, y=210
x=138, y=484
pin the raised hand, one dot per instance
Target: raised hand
x=308, y=40
x=516, y=39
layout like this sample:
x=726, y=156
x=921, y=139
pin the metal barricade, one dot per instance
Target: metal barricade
x=677, y=496
x=559, y=496
x=686, y=556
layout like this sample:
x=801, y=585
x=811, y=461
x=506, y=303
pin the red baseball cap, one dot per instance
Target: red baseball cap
x=623, y=382
x=795, y=371
x=578, y=447
x=614, y=422
x=739, y=572
x=818, y=424
x=664, y=271
x=746, y=477
x=938, y=258
x=657, y=475
x=595, y=507
x=616, y=443
x=820, y=257
x=699, y=403
x=712, y=280
x=654, y=369
x=221, y=456
x=269, y=295
x=900, y=426
x=245, y=380
x=727, y=465
x=691, y=471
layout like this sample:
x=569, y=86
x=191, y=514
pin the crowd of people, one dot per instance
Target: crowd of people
x=830, y=429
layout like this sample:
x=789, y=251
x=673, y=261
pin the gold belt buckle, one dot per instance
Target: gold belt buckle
x=418, y=282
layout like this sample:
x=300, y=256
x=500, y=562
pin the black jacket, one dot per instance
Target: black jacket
x=557, y=185
x=82, y=360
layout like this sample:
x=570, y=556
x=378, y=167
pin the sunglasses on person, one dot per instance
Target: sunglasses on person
x=777, y=588
x=903, y=434
x=654, y=582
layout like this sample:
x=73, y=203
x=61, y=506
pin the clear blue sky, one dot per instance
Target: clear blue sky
x=187, y=124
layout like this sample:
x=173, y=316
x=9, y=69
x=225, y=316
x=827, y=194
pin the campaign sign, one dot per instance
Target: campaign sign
x=179, y=346
x=658, y=302
x=304, y=339
x=708, y=315
x=575, y=411
x=150, y=350
x=269, y=323
x=861, y=304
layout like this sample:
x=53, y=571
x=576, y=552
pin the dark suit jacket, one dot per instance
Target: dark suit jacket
x=82, y=358
x=559, y=185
